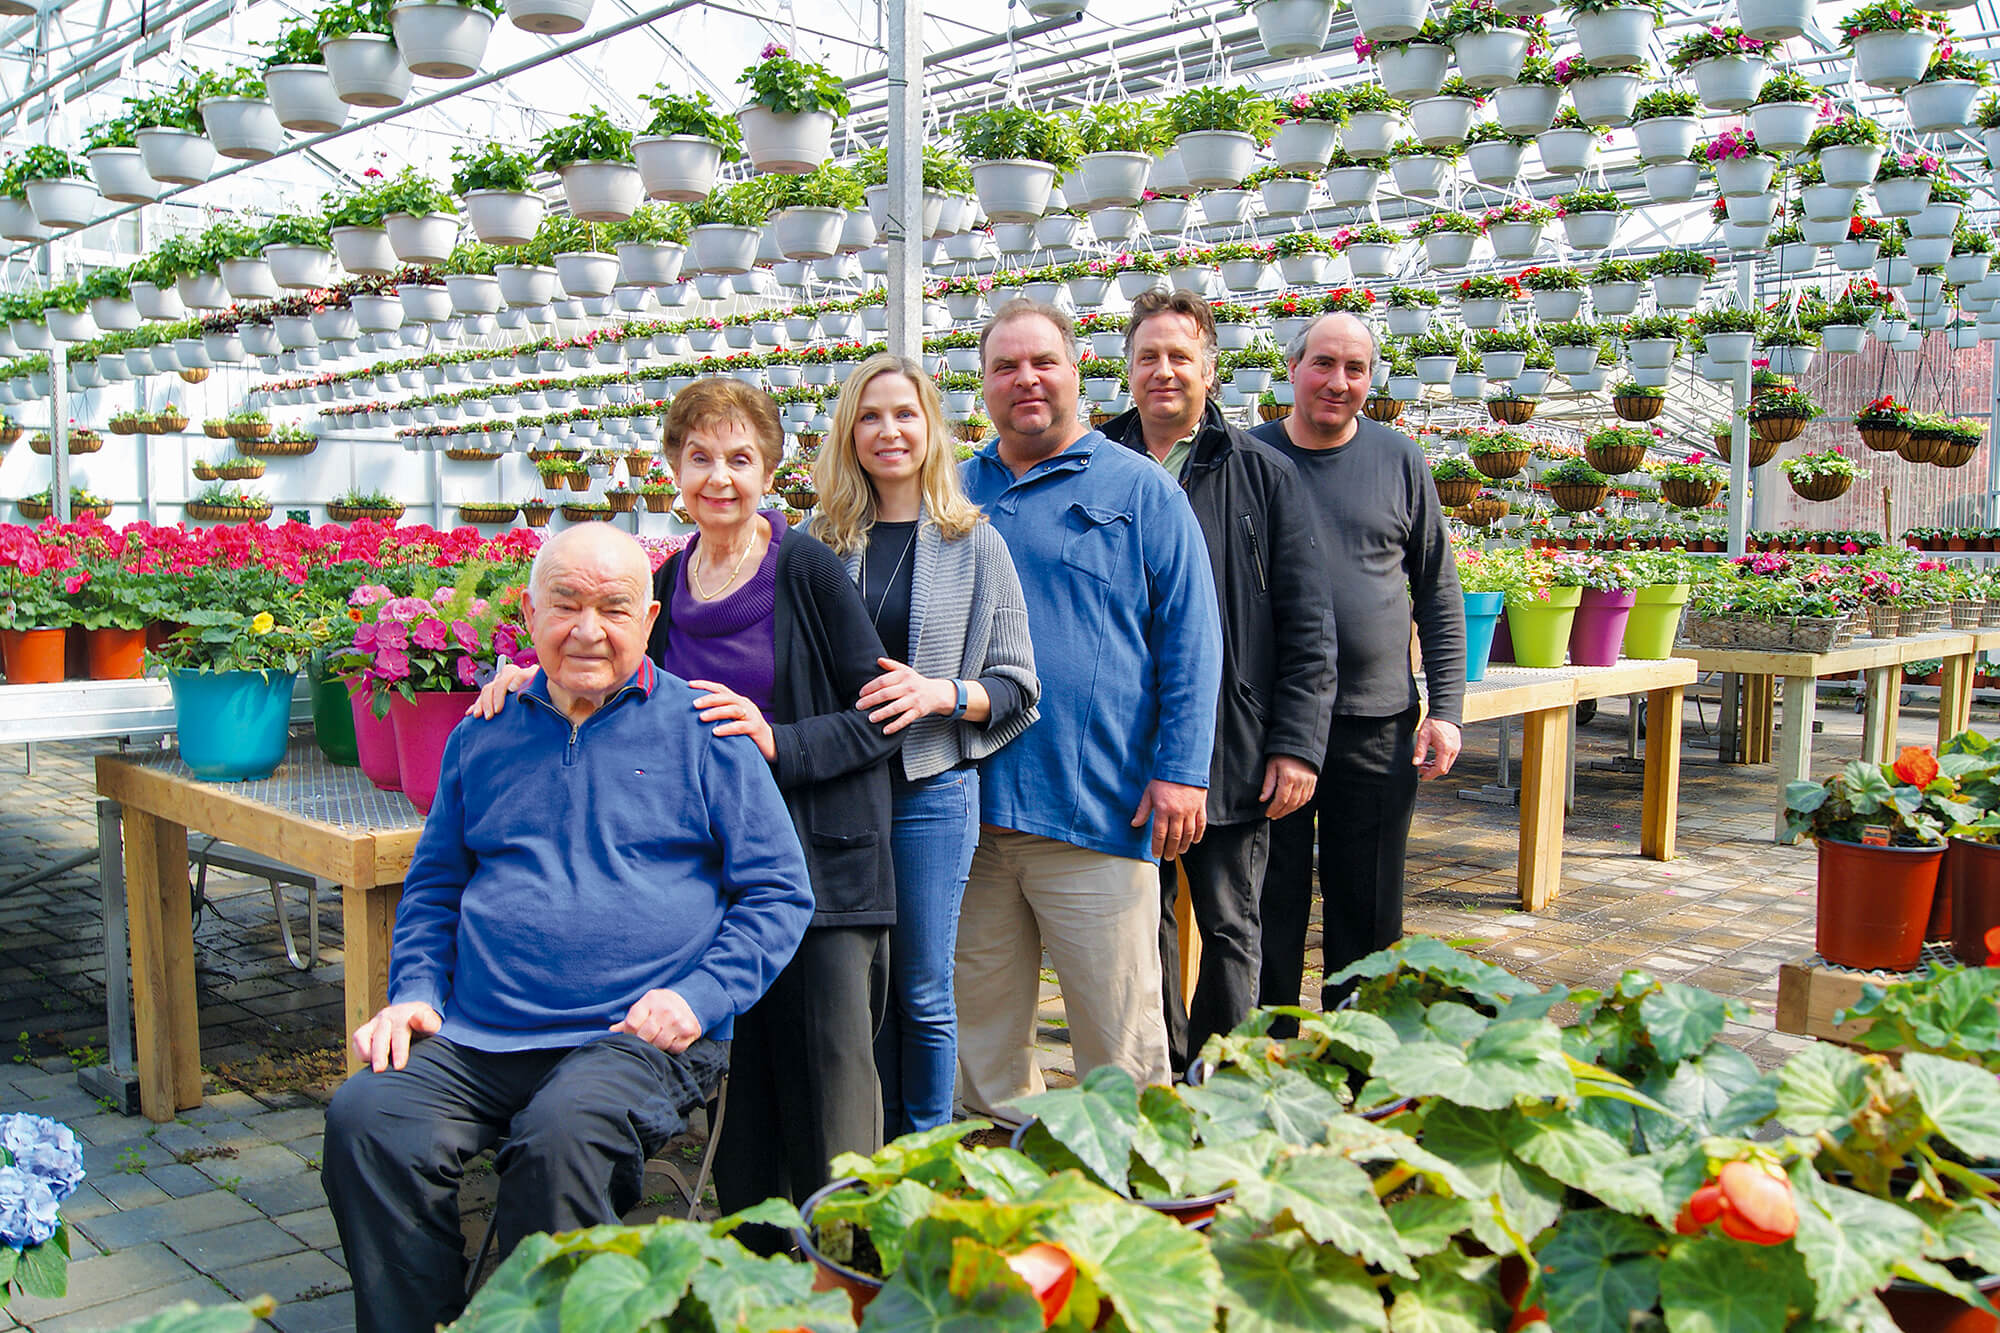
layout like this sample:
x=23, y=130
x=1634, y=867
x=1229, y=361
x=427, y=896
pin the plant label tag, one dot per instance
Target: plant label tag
x=1875, y=835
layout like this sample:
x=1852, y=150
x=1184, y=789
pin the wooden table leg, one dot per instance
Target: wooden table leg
x=1544, y=762
x=367, y=916
x=1758, y=716
x=1663, y=773
x=1954, y=697
x=163, y=1000
x=1795, y=764
x=1880, y=705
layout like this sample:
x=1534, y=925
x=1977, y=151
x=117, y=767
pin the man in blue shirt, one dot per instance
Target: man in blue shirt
x=1077, y=812
x=600, y=888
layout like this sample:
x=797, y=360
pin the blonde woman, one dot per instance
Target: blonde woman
x=958, y=681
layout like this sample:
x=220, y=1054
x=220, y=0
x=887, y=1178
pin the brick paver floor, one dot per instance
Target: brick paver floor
x=226, y=1200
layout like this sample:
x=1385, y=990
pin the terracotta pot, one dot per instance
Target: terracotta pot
x=1874, y=903
x=1920, y=1309
x=33, y=656
x=1972, y=887
x=115, y=654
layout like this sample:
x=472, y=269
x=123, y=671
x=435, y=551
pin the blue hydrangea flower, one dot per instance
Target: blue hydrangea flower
x=27, y=1208
x=44, y=1148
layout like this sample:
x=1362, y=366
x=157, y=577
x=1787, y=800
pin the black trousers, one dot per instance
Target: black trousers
x=802, y=1082
x=1225, y=872
x=579, y=1124
x=1362, y=807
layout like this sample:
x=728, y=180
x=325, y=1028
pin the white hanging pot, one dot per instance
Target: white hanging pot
x=1423, y=176
x=1441, y=120
x=1782, y=126
x=377, y=314
x=1372, y=133
x=1495, y=162
x=1650, y=353
x=1902, y=196
x=1575, y=360
x=441, y=39
x=1483, y=313
x=65, y=203
x=1843, y=338
x=1304, y=270
x=587, y=272
x=1213, y=159
x=1590, y=231
x=601, y=191
x=1353, y=187
x=1854, y=256
x=1829, y=203
x=550, y=17
x=1225, y=207
x=857, y=233
x=1823, y=231
x=1940, y=106
x=1615, y=38
x=424, y=303
x=203, y=291
x=1938, y=218
x=1744, y=237
x=1607, y=99
x=1739, y=176
x=244, y=128
x=1405, y=321
x=304, y=99
x=809, y=233
x=1298, y=145
x=1727, y=83
x=121, y=176
x=723, y=248
x=1289, y=28
x=1892, y=60
x=1677, y=291
x=1962, y=271
x=1665, y=138
x=1392, y=20
x=116, y=316
x=473, y=293
x=299, y=267
x=1774, y=20
x=1503, y=366
x=1797, y=258
x=249, y=279
x=1370, y=259
x=423, y=240
x=1285, y=196
x=295, y=331
x=650, y=263
x=1436, y=369
x=69, y=327
x=177, y=157
x=156, y=302
x=1056, y=231
x=679, y=167
x=1614, y=299
x=365, y=250
x=1413, y=71
x=1567, y=152
x=1558, y=306
x=1013, y=189
x=1449, y=249
x=335, y=324
x=1016, y=238
x=1514, y=240
x=1490, y=59
x=1244, y=275
x=1526, y=108
x=528, y=286
x=505, y=217
x=1730, y=348
x=789, y=145
x=1790, y=359
x=1117, y=179
x=1672, y=182
x=366, y=69
x=1850, y=165
x=1468, y=386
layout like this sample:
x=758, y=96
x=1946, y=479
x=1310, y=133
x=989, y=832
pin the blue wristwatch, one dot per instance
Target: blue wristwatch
x=964, y=698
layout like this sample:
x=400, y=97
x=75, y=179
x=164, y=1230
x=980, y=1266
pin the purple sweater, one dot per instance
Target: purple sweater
x=729, y=640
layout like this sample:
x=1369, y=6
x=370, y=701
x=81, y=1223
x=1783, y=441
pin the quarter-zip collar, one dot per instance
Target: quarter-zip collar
x=640, y=686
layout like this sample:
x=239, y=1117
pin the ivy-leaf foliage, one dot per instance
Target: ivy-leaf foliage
x=1507, y=1059
x=1095, y=1122
x=953, y=1283
x=1477, y=1141
x=1286, y=1284
x=1596, y=1268
x=1330, y=1199
x=1716, y=1285
x=1159, y=1276
x=1959, y=1101
x=1821, y=1088
x=1850, y=1242
x=1244, y=1100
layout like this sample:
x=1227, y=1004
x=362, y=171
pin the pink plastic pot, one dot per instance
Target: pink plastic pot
x=422, y=728
x=1599, y=628
x=374, y=740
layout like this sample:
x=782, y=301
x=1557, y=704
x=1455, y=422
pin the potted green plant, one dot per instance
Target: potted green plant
x=232, y=673
x=1016, y=154
x=1456, y=479
x=299, y=250
x=793, y=106
x=357, y=41
x=443, y=39
x=1665, y=123
x=1617, y=449
x=236, y=110
x=1779, y=409
x=1679, y=276
x=496, y=181
x=1880, y=848
x=809, y=212
x=295, y=77
x=1589, y=217
x=1218, y=130
x=679, y=150
x=1782, y=115
x=355, y=224
x=1117, y=142
x=1725, y=63
x=1575, y=486
x=1289, y=28
x=115, y=165
x=1892, y=45
x=1821, y=475
x=1691, y=482
x=651, y=245
x=594, y=158
x=168, y=130
x=1633, y=401
x=57, y=187
x=724, y=229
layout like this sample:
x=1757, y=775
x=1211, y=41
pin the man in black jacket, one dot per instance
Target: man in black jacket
x=1278, y=653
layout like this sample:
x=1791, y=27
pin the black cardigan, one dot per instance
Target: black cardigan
x=833, y=763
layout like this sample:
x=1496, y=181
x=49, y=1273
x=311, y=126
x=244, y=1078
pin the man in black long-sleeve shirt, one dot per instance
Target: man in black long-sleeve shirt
x=1390, y=559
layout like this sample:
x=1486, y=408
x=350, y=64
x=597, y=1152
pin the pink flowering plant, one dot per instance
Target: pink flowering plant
x=1715, y=42
x=1891, y=16
x=443, y=637
x=1899, y=166
x=1735, y=144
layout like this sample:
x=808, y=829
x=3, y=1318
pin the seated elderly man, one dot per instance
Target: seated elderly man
x=601, y=887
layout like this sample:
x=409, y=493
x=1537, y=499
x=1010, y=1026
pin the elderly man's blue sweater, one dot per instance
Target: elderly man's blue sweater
x=566, y=871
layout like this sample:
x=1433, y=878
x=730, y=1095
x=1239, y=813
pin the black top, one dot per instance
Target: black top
x=888, y=570
x=1383, y=530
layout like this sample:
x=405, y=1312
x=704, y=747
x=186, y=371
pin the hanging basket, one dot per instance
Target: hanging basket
x=277, y=448
x=1638, y=407
x=1779, y=427
x=1615, y=459
x=1821, y=488
x=227, y=513
x=1884, y=439
x=1578, y=497
x=1457, y=491
x=1501, y=466
x=1510, y=412
x=1684, y=494
x=1762, y=451
x=487, y=513
x=1273, y=411
x=80, y=442
x=1956, y=454
x=586, y=513
x=194, y=375
x=1379, y=408
x=1480, y=513
x=537, y=515
x=1923, y=447
x=340, y=513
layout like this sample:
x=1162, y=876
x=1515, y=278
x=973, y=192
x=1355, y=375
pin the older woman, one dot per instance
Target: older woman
x=762, y=622
x=958, y=682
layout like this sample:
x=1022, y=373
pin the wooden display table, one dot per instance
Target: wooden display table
x=1811, y=991
x=324, y=819
x=1543, y=700
x=1881, y=663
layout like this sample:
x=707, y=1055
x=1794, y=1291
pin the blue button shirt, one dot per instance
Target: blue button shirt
x=1128, y=642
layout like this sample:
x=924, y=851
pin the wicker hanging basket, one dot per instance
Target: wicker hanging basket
x=1685, y=494
x=1762, y=450
x=169, y=425
x=537, y=515
x=487, y=513
x=1456, y=491
x=472, y=456
x=194, y=376
x=585, y=513
x=215, y=430
x=1578, y=497
x=239, y=469
x=1884, y=439
x=1821, y=488
x=80, y=442
x=1778, y=427
x=9, y=434
x=277, y=448
x=1500, y=466
x=622, y=502
x=1381, y=408
x=340, y=513
x=1273, y=411
x=1923, y=446
x=1955, y=454
x=37, y=510
x=658, y=502
x=1510, y=411
x=1614, y=459
x=225, y=513
x=1638, y=407
x=1480, y=512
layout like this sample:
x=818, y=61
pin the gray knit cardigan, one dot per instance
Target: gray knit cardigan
x=967, y=619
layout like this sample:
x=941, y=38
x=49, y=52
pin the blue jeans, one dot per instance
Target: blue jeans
x=916, y=1052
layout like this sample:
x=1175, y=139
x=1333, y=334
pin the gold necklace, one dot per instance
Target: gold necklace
x=694, y=571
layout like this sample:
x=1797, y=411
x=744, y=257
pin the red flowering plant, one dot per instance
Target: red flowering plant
x=444, y=637
x=1884, y=411
x=1909, y=802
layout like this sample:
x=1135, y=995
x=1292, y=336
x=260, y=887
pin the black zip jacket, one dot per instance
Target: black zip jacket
x=1278, y=648
x=833, y=763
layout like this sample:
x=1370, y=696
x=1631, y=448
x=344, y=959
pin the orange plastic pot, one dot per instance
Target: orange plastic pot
x=1916, y=1308
x=1874, y=903
x=116, y=654
x=1972, y=885
x=33, y=656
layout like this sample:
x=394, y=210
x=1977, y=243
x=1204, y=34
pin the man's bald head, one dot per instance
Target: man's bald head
x=590, y=610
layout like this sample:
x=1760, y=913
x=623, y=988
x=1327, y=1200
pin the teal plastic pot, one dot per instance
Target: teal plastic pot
x=1482, y=613
x=1540, y=629
x=1655, y=619
x=232, y=724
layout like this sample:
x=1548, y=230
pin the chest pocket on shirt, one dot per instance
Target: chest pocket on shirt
x=1094, y=540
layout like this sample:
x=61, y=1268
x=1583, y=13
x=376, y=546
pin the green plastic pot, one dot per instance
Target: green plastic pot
x=1655, y=618
x=1540, y=629
x=333, y=719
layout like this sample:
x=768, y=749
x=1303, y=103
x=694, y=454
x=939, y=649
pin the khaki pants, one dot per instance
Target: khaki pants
x=1099, y=918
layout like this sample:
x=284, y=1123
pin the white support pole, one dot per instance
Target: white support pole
x=906, y=177
x=58, y=405
x=1992, y=505
x=1739, y=432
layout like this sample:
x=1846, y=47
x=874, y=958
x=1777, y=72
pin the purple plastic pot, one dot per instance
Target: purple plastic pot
x=1599, y=628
